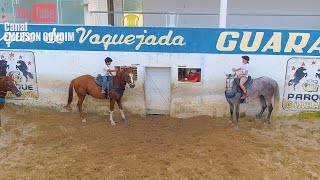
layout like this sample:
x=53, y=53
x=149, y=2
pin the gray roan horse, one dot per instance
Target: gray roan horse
x=265, y=88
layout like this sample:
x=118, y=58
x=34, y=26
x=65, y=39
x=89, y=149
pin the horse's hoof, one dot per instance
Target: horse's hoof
x=230, y=122
x=66, y=108
x=83, y=120
x=124, y=119
x=113, y=123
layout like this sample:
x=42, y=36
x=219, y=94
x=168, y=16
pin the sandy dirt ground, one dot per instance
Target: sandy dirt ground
x=39, y=143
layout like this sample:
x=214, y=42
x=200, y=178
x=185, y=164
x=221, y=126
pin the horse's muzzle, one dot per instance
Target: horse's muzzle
x=230, y=94
x=132, y=85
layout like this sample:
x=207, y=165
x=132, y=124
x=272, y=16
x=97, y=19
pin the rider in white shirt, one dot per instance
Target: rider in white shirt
x=106, y=73
x=244, y=73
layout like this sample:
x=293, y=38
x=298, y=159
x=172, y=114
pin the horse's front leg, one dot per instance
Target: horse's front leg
x=112, y=101
x=121, y=111
x=1, y=106
x=231, y=113
x=237, y=115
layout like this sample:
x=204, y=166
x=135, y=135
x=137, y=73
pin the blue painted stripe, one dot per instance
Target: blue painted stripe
x=181, y=40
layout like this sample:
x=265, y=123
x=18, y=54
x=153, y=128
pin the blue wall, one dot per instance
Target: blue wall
x=170, y=40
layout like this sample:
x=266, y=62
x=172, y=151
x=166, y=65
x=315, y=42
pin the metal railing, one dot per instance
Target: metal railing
x=204, y=20
x=159, y=19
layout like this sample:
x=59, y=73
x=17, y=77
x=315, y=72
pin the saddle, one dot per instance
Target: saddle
x=110, y=84
x=248, y=84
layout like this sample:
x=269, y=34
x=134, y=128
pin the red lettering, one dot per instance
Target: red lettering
x=44, y=12
x=23, y=13
x=19, y=9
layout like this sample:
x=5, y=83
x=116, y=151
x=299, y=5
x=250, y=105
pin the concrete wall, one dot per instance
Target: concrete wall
x=215, y=55
x=271, y=7
x=183, y=6
x=55, y=70
x=248, y=9
x=252, y=14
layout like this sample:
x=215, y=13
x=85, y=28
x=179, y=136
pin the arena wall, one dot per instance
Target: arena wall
x=58, y=63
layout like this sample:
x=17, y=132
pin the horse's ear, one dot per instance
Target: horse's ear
x=228, y=75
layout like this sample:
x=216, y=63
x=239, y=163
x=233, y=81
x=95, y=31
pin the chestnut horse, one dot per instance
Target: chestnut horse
x=7, y=84
x=86, y=84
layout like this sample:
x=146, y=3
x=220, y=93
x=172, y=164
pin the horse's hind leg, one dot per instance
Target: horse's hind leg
x=270, y=108
x=263, y=106
x=80, y=101
x=121, y=111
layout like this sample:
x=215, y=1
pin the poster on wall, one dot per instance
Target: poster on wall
x=20, y=65
x=301, y=91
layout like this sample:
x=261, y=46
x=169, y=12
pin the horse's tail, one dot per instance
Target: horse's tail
x=70, y=96
x=277, y=99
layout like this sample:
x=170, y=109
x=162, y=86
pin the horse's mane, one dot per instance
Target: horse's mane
x=236, y=81
x=120, y=73
x=236, y=85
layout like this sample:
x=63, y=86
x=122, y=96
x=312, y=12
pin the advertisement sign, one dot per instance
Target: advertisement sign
x=155, y=39
x=20, y=65
x=302, y=82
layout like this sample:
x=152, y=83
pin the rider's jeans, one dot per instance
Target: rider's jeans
x=104, y=82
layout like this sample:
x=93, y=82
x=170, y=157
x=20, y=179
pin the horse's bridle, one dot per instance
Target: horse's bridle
x=131, y=80
x=229, y=82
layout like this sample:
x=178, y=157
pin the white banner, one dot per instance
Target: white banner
x=301, y=90
x=20, y=65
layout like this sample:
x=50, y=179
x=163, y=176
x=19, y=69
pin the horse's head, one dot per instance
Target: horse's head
x=127, y=74
x=232, y=84
x=10, y=85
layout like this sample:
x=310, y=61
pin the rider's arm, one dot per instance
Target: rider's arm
x=235, y=69
x=242, y=74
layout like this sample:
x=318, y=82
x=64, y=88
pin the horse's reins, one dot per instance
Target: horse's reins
x=228, y=85
x=116, y=88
